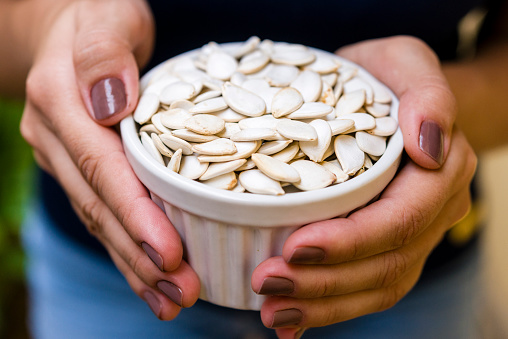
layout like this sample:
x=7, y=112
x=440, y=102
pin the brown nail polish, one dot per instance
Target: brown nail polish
x=153, y=255
x=172, y=291
x=306, y=255
x=431, y=140
x=292, y=316
x=108, y=97
x=276, y=286
x=153, y=302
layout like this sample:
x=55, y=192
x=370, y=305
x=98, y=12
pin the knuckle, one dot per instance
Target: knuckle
x=92, y=212
x=90, y=166
x=412, y=221
x=390, y=297
x=394, y=265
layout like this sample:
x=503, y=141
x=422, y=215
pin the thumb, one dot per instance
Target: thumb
x=427, y=107
x=113, y=39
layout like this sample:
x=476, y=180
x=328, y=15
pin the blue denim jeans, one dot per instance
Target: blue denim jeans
x=75, y=294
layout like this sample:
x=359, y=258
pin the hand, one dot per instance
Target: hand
x=86, y=63
x=340, y=269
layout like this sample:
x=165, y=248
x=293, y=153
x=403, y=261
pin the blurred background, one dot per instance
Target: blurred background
x=16, y=173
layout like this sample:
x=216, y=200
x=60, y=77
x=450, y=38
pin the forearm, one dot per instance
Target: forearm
x=481, y=88
x=22, y=26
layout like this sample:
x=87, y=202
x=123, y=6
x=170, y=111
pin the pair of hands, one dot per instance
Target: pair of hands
x=329, y=271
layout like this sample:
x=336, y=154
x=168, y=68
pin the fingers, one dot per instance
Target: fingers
x=282, y=312
x=180, y=286
x=427, y=107
x=406, y=208
x=109, y=47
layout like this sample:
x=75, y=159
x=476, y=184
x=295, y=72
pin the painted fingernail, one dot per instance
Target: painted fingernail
x=431, y=140
x=276, y=286
x=153, y=255
x=153, y=302
x=306, y=255
x=291, y=316
x=172, y=291
x=108, y=97
x=300, y=332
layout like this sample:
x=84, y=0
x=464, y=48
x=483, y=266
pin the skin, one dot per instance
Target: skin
x=372, y=258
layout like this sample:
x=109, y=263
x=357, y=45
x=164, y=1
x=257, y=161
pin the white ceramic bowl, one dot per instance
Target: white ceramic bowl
x=227, y=234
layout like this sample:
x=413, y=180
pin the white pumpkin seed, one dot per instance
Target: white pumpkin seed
x=180, y=90
x=147, y=106
x=244, y=150
x=253, y=62
x=251, y=134
x=221, y=65
x=385, y=127
x=220, y=146
x=363, y=121
x=206, y=96
x=183, y=104
x=285, y=101
x=275, y=169
x=175, y=143
x=243, y=101
x=296, y=130
x=218, y=168
x=191, y=167
x=230, y=128
x=296, y=55
x=281, y=75
x=288, y=153
x=156, y=121
x=271, y=147
x=308, y=83
x=311, y=110
x=323, y=64
x=264, y=121
x=174, y=118
x=312, y=175
x=205, y=124
x=190, y=136
x=255, y=181
x=209, y=105
x=316, y=149
x=163, y=149
x=350, y=156
x=225, y=181
x=339, y=126
x=148, y=144
x=228, y=115
x=350, y=102
x=149, y=128
x=371, y=144
x=175, y=161
x=357, y=83
x=334, y=167
x=378, y=110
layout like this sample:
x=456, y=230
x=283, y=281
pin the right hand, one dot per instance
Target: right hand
x=86, y=56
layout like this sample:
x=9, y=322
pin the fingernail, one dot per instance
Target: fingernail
x=304, y=255
x=292, y=316
x=276, y=286
x=108, y=97
x=300, y=332
x=153, y=255
x=431, y=140
x=153, y=302
x=172, y=291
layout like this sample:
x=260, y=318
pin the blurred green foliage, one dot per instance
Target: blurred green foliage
x=16, y=172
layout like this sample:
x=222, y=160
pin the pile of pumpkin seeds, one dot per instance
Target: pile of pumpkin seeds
x=264, y=117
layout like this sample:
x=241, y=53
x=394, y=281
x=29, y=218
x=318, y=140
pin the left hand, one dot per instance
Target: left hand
x=339, y=269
